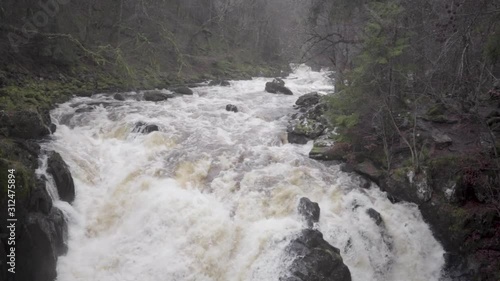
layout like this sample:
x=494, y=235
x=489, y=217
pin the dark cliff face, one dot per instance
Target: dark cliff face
x=40, y=229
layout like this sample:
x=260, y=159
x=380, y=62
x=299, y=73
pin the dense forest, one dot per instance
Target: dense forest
x=143, y=44
x=417, y=88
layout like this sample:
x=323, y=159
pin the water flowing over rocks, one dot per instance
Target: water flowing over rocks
x=144, y=128
x=236, y=182
x=41, y=229
x=437, y=189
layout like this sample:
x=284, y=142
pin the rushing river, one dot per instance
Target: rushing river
x=213, y=194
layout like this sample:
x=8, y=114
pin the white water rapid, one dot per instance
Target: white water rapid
x=213, y=195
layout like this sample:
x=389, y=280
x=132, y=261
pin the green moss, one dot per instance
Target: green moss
x=401, y=173
x=436, y=110
x=24, y=179
x=459, y=216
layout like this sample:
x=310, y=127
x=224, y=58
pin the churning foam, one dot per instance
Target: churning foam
x=213, y=194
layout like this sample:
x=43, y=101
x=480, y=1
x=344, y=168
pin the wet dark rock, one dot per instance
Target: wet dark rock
x=223, y=83
x=145, y=128
x=85, y=109
x=182, y=91
x=309, y=122
x=297, y=139
x=52, y=128
x=118, y=97
x=62, y=177
x=315, y=259
x=232, y=108
x=309, y=128
x=308, y=100
x=309, y=210
x=156, y=96
x=277, y=86
x=369, y=170
x=25, y=124
x=337, y=151
x=377, y=218
x=40, y=200
x=42, y=242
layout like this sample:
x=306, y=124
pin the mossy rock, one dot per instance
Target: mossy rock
x=24, y=180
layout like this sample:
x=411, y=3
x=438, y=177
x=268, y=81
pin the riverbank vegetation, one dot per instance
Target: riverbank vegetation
x=418, y=98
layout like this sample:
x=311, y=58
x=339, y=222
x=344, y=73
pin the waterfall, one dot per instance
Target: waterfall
x=212, y=195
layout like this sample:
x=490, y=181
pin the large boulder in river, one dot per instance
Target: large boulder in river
x=156, y=96
x=309, y=122
x=232, y=107
x=62, y=177
x=277, y=86
x=182, y=91
x=308, y=100
x=119, y=97
x=313, y=257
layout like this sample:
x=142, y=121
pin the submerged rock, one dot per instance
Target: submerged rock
x=62, y=177
x=232, y=108
x=377, y=218
x=145, y=128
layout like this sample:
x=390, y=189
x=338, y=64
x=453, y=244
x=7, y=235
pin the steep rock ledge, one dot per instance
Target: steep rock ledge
x=41, y=229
